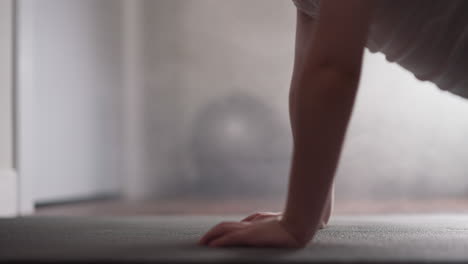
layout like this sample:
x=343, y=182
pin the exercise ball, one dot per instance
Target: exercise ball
x=240, y=146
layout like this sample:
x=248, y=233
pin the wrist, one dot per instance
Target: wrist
x=301, y=234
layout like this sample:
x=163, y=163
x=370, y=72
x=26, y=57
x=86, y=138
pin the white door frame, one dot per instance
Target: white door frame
x=8, y=174
x=25, y=102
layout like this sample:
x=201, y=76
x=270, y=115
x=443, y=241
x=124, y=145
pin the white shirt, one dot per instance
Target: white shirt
x=427, y=37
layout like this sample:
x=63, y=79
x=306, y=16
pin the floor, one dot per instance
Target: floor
x=423, y=238
x=109, y=231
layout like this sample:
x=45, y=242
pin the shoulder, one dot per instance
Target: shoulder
x=309, y=7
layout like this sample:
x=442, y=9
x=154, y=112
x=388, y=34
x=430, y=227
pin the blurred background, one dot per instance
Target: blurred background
x=181, y=106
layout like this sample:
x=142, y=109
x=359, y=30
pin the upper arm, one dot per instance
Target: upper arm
x=336, y=40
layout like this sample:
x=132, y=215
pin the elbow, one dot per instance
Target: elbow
x=330, y=80
x=336, y=74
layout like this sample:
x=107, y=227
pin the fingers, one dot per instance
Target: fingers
x=232, y=239
x=220, y=230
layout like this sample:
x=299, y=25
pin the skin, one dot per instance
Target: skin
x=327, y=68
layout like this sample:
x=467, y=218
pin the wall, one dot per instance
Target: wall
x=214, y=92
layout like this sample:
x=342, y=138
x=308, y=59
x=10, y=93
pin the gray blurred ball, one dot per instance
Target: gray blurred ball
x=240, y=146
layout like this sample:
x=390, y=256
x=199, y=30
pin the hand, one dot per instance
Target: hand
x=262, y=216
x=266, y=233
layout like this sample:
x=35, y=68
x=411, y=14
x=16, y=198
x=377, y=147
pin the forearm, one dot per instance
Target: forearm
x=320, y=110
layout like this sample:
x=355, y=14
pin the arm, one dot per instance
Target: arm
x=326, y=74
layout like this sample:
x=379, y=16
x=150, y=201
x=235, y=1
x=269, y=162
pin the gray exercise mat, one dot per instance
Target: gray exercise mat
x=172, y=239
